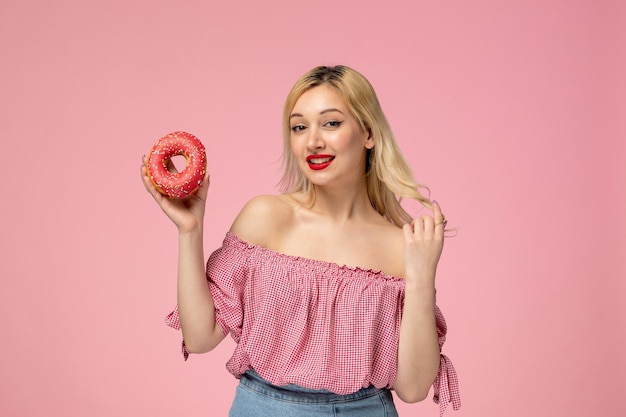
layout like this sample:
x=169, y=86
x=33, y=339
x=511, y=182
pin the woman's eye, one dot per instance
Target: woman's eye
x=297, y=128
x=333, y=123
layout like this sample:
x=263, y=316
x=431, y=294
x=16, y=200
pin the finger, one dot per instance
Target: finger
x=407, y=229
x=206, y=179
x=429, y=224
x=147, y=183
x=144, y=176
x=204, y=186
x=440, y=220
x=171, y=167
x=438, y=215
x=418, y=226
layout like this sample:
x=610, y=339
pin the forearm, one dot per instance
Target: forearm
x=418, y=350
x=195, y=303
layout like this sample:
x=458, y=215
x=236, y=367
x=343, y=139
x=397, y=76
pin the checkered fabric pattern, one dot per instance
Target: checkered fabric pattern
x=312, y=323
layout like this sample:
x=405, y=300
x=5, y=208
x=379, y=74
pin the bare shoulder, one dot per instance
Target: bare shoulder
x=388, y=246
x=261, y=218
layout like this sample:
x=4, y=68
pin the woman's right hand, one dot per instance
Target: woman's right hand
x=187, y=213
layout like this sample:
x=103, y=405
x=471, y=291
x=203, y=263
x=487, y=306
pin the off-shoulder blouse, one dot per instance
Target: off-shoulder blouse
x=312, y=323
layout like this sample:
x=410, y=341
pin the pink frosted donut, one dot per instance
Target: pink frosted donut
x=187, y=181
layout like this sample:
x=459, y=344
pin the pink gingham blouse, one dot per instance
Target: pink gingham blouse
x=312, y=323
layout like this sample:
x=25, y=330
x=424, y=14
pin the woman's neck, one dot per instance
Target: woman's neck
x=341, y=204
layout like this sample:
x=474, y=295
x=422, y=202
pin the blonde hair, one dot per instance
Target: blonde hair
x=389, y=178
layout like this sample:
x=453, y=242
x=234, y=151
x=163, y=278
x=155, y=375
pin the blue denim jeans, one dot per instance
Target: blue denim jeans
x=256, y=397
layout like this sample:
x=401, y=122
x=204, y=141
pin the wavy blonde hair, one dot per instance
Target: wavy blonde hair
x=389, y=178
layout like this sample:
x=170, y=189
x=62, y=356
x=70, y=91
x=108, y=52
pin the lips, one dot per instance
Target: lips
x=317, y=162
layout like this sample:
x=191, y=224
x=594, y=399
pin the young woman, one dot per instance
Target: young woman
x=329, y=288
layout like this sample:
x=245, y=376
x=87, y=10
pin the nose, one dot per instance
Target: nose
x=314, y=139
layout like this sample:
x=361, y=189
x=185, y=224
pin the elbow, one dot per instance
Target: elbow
x=197, y=348
x=202, y=344
x=412, y=396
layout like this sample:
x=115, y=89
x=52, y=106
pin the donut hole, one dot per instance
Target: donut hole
x=179, y=162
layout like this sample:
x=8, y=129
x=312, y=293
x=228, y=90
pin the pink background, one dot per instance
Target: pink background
x=512, y=112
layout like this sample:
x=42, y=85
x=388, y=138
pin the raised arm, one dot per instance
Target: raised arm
x=418, y=351
x=195, y=303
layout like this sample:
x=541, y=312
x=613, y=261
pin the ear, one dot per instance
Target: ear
x=369, y=142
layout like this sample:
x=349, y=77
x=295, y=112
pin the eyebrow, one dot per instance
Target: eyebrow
x=322, y=112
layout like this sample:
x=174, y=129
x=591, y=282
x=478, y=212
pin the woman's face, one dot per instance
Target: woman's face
x=326, y=140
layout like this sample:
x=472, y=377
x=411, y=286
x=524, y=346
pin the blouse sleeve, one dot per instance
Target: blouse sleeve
x=226, y=274
x=446, y=384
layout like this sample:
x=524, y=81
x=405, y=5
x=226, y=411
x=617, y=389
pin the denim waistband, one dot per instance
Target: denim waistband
x=296, y=393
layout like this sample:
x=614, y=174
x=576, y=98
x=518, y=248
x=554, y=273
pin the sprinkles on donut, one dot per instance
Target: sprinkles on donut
x=180, y=184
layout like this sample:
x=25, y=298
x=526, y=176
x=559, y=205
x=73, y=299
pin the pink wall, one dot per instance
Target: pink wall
x=512, y=112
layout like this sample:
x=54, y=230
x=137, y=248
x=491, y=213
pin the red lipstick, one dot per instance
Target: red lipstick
x=317, y=162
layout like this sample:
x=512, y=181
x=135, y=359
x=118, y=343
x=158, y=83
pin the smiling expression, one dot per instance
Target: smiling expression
x=326, y=139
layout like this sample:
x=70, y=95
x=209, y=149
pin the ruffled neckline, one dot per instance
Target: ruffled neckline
x=313, y=264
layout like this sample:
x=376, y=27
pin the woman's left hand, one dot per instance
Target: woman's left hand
x=423, y=244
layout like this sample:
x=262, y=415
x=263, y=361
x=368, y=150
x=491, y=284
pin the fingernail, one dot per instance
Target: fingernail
x=435, y=203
